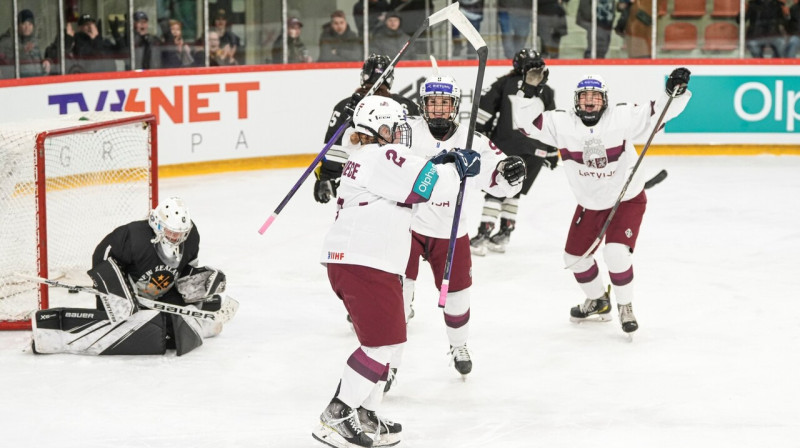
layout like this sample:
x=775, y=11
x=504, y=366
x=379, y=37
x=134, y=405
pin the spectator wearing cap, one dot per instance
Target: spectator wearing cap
x=94, y=52
x=338, y=43
x=389, y=38
x=377, y=14
x=297, y=49
x=146, y=45
x=31, y=61
x=226, y=36
x=218, y=55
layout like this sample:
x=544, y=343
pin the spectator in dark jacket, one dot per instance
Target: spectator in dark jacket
x=338, y=43
x=95, y=52
x=297, y=49
x=389, y=38
x=377, y=14
x=766, y=21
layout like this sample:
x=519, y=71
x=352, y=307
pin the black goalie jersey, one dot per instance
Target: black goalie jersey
x=131, y=248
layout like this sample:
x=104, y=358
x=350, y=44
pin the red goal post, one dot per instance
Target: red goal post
x=65, y=183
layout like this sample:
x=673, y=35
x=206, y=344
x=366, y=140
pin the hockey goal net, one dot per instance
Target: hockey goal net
x=65, y=183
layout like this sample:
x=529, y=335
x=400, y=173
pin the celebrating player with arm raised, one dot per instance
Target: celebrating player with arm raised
x=147, y=260
x=594, y=139
x=330, y=169
x=365, y=253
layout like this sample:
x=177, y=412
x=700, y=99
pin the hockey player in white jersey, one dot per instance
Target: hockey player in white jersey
x=437, y=133
x=595, y=146
x=365, y=253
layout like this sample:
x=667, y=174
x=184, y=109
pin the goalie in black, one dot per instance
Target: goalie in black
x=153, y=259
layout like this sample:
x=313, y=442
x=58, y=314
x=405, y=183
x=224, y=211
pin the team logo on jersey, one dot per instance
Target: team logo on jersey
x=594, y=153
x=155, y=282
x=628, y=233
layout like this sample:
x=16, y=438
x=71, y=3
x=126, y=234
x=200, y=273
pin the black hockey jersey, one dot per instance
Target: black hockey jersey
x=130, y=247
x=494, y=116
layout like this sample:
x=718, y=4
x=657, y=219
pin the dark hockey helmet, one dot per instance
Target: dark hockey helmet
x=374, y=67
x=526, y=58
x=591, y=83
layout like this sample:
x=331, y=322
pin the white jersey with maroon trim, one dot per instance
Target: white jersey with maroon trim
x=598, y=159
x=435, y=218
x=379, y=186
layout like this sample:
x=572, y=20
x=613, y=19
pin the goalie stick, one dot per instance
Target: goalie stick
x=433, y=19
x=602, y=233
x=225, y=314
x=467, y=30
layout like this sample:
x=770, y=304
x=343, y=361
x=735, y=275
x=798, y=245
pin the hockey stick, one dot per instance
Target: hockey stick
x=655, y=180
x=224, y=315
x=433, y=19
x=467, y=30
x=625, y=187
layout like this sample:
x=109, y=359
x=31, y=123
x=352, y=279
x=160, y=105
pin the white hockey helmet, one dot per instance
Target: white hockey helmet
x=591, y=83
x=440, y=86
x=382, y=118
x=171, y=223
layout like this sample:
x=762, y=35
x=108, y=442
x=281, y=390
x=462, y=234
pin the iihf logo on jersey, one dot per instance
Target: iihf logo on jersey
x=594, y=153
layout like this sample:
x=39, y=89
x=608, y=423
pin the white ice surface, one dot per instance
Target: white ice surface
x=714, y=364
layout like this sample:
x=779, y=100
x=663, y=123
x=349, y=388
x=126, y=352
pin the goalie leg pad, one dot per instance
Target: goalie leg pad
x=85, y=331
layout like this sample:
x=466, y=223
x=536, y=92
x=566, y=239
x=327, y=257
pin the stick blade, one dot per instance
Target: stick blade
x=443, y=14
x=460, y=21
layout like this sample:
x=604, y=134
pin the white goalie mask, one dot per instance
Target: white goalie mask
x=382, y=118
x=171, y=223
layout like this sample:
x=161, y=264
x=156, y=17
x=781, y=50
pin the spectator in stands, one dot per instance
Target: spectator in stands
x=31, y=61
x=766, y=22
x=635, y=25
x=53, y=51
x=226, y=36
x=176, y=52
x=377, y=14
x=514, y=19
x=217, y=55
x=95, y=53
x=473, y=11
x=412, y=14
x=145, y=44
x=390, y=38
x=605, y=21
x=793, y=29
x=297, y=49
x=551, y=26
x=338, y=43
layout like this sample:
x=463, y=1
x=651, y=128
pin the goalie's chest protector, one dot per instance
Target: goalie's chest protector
x=138, y=257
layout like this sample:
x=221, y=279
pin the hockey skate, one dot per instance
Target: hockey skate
x=390, y=379
x=389, y=434
x=477, y=244
x=592, y=310
x=627, y=319
x=499, y=241
x=340, y=427
x=461, y=359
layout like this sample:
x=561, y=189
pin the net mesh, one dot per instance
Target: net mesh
x=96, y=179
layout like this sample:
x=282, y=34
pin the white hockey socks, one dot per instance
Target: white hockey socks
x=587, y=274
x=620, y=269
x=366, y=371
x=456, y=317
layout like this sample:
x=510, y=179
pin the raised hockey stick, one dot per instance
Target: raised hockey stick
x=625, y=187
x=438, y=16
x=475, y=39
x=225, y=314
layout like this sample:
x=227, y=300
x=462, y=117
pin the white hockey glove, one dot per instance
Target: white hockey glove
x=201, y=285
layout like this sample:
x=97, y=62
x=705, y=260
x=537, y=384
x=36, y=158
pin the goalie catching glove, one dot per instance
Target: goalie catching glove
x=201, y=284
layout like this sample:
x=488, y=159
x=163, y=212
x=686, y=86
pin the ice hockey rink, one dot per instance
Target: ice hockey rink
x=714, y=364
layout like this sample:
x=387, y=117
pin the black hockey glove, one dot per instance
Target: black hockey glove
x=534, y=78
x=326, y=184
x=350, y=106
x=513, y=169
x=466, y=161
x=678, y=81
x=549, y=157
